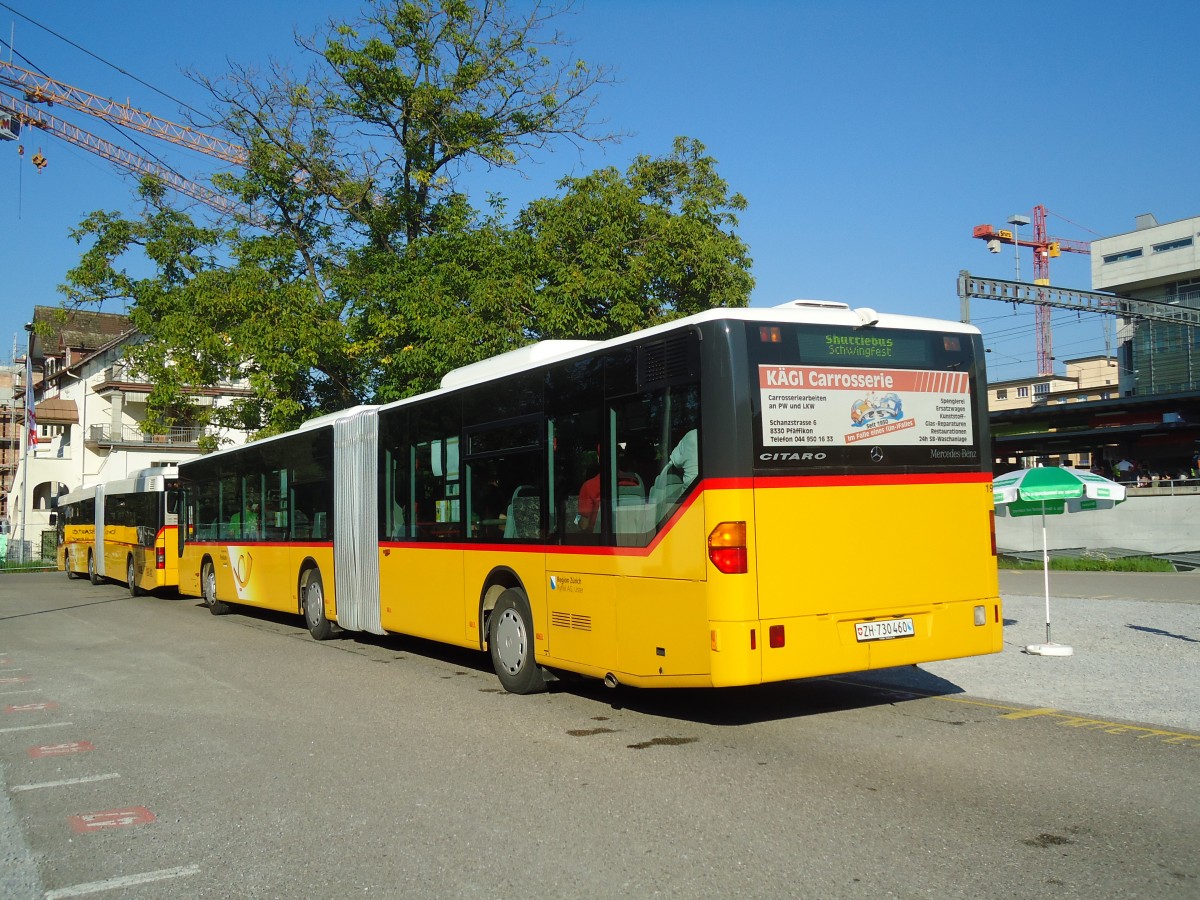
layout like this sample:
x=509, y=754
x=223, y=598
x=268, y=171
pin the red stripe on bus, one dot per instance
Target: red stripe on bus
x=770, y=482
x=801, y=481
x=254, y=542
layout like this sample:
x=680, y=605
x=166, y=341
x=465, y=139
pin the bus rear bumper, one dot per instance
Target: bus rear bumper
x=810, y=646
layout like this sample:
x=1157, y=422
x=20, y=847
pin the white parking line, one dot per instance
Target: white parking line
x=32, y=727
x=69, y=781
x=24, y=691
x=124, y=881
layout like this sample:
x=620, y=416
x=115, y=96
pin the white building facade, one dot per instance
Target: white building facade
x=89, y=414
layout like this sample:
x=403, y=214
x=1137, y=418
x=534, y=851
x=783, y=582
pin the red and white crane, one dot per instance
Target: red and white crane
x=1045, y=248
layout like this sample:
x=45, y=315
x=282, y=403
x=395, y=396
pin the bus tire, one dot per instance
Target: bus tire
x=510, y=643
x=208, y=590
x=314, y=607
x=131, y=577
x=92, y=576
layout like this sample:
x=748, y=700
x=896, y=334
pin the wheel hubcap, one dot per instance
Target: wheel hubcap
x=314, y=604
x=510, y=641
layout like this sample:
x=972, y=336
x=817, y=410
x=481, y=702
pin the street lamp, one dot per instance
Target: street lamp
x=1016, y=221
x=25, y=430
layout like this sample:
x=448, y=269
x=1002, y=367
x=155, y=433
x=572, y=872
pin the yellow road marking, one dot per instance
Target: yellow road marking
x=1182, y=738
x=1028, y=713
x=1139, y=731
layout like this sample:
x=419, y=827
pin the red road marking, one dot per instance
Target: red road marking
x=30, y=707
x=14, y=679
x=112, y=818
x=60, y=749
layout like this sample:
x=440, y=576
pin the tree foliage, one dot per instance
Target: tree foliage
x=362, y=271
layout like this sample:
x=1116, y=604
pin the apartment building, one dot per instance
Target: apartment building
x=90, y=408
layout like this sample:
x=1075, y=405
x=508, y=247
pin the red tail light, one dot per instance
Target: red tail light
x=727, y=548
x=160, y=558
x=992, y=526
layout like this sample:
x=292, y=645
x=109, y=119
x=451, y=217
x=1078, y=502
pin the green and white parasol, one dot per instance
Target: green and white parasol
x=1050, y=491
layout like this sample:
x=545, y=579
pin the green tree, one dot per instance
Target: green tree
x=362, y=271
x=207, y=319
x=614, y=254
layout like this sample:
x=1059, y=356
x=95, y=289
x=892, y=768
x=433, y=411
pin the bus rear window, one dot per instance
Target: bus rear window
x=879, y=398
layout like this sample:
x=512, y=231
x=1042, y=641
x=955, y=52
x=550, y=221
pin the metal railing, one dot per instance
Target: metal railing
x=38, y=553
x=176, y=437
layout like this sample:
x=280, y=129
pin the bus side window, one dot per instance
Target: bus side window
x=435, y=473
x=396, y=485
x=655, y=440
x=575, y=433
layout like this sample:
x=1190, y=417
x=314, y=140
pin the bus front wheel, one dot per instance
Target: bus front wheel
x=92, y=575
x=314, y=607
x=510, y=643
x=208, y=590
x=131, y=578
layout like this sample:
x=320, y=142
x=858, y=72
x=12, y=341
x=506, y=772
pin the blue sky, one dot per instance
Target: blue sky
x=868, y=137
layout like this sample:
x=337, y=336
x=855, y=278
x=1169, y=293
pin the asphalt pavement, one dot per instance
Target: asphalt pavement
x=1136, y=653
x=1135, y=641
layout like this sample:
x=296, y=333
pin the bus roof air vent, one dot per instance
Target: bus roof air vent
x=813, y=304
x=867, y=316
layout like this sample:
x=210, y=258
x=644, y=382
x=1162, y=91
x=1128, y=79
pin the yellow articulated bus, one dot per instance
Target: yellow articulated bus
x=737, y=497
x=123, y=530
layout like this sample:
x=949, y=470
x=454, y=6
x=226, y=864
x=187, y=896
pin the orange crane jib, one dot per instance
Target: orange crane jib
x=42, y=89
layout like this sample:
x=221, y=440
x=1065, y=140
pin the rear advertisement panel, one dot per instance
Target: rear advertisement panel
x=818, y=405
x=843, y=400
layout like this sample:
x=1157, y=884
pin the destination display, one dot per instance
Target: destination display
x=831, y=405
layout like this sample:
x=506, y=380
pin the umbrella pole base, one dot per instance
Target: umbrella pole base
x=1049, y=649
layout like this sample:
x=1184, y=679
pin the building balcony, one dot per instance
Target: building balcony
x=130, y=437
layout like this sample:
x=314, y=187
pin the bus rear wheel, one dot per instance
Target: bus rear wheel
x=510, y=643
x=314, y=607
x=208, y=590
x=131, y=578
x=92, y=575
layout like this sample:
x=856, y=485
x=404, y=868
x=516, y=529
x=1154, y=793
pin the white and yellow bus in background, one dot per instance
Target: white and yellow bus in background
x=123, y=530
x=737, y=497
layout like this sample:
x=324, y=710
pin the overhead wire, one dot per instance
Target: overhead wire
x=125, y=134
x=101, y=59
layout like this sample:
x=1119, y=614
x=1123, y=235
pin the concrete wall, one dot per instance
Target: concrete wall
x=1152, y=522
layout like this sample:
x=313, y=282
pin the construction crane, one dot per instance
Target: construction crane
x=18, y=113
x=43, y=89
x=40, y=89
x=1045, y=248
